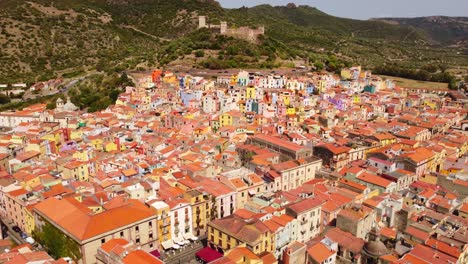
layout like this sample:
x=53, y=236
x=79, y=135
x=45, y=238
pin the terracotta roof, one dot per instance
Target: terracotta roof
x=280, y=142
x=388, y=232
x=345, y=239
x=334, y=148
x=418, y=155
x=417, y=233
x=444, y=247
x=18, y=192
x=111, y=244
x=249, y=231
x=237, y=254
x=140, y=257
x=305, y=205
x=319, y=252
x=83, y=225
x=464, y=208
x=374, y=179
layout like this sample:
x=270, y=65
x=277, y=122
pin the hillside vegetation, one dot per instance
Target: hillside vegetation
x=42, y=39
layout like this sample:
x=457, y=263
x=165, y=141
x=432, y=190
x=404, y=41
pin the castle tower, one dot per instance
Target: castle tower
x=261, y=30
x=251, y=35
x=59, y=105
x=223, y=28
x=202, y=22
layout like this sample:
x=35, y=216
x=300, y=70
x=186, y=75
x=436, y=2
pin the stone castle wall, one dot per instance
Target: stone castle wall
x=245, y=33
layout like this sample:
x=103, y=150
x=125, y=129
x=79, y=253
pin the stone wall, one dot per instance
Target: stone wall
x=245, y=33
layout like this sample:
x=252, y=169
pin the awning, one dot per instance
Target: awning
x=167, y=244
x=179, y=241
x=188, y=235
x=156, y=253
x=208, y=255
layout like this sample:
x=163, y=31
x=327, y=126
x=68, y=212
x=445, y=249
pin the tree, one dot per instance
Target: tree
x=318, y=65
x=4, y=99
x=51, y=106
x=199, y=53
x=57, y=244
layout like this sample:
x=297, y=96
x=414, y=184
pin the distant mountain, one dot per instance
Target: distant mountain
x=441, y=29
x=41, y=39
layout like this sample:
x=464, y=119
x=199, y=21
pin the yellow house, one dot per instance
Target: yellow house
x=97, y=142
x=234, y=79
x=242, y=107
x=385, y=139
x=76, y=134
x=356, y=99
x=250, y=92
x=232, y=231
x=286, y=98
x=82, y=155
x=27, y=180
x=163, y=222
x=431, y=104
x=200, y=209
x=18, y=139
x=30, y=223
x=321, y=85
x=345, y=73
x=225, y=119
x=110, y=146
x=34, y=146
x=77, y=170
x=31, y=183
x=291, y=111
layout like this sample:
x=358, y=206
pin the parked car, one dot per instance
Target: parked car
x=16, y=229
x=30, y=240
x=24, y=235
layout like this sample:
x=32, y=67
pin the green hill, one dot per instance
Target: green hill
x=41, y=39
x=442, y=29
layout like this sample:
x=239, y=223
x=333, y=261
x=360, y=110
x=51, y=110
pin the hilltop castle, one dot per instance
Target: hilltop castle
x=245, y=33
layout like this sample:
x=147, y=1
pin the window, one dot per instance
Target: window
x=151, y=235
x=137, y=241
x=150, y=223
x=103, y=241
x=121, y=233
x=137, y=228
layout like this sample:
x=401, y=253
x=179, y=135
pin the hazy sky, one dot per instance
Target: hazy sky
x=364, y=9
